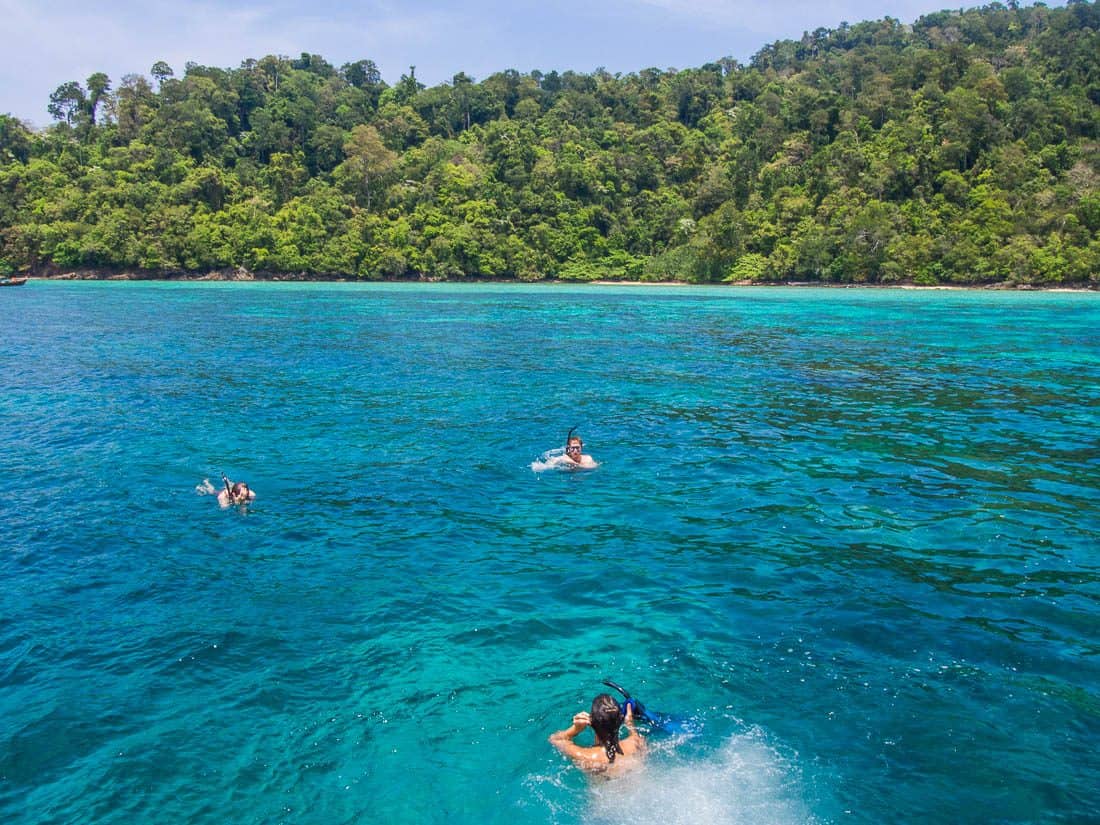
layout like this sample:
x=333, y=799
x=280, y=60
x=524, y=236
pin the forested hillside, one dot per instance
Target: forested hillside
x=964, y=148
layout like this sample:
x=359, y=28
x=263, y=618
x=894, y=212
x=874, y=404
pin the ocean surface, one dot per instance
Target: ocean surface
x=851, y=536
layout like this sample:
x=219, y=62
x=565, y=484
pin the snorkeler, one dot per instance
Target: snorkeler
x=609, y=754
x=233, y=492
x=237, y=493
x=574, y=457
x=574, y=453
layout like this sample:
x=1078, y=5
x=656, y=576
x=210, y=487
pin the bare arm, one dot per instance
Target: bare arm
x=639, y=740
x=563, y=739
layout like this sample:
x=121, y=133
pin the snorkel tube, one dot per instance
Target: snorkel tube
x=228, y=489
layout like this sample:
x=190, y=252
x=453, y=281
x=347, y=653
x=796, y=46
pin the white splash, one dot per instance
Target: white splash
x=744, y=781
x=550, y=460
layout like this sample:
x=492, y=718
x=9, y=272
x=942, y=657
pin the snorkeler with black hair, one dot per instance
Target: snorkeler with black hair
x=609, y=754
x=236, y=493
x=232, y=493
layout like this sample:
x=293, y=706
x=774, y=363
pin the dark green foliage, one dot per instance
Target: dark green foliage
x=962, y=149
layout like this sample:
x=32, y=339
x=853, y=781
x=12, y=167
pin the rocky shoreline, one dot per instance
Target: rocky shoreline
x=240, y=274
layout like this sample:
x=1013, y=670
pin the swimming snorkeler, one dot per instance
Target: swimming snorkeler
x=232, y=493
x=574, y=453
x=574, y=457
x=609, y=755
x=570, y=458
x=237, y=493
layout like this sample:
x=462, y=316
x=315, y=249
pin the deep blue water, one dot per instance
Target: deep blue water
x=852, y=535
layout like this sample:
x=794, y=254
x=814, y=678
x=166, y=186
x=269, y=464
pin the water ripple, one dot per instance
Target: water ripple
x=851, y=535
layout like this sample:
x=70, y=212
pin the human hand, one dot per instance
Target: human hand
x=629, y=710
x=581, y=720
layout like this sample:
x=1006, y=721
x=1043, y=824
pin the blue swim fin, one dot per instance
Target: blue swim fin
x=663, y=722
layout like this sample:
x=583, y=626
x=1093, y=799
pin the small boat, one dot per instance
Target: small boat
x=12, y=281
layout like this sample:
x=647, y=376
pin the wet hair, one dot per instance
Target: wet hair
x=606, y=719
x=240, y=488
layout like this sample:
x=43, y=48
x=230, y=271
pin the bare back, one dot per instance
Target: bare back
x=594, y=760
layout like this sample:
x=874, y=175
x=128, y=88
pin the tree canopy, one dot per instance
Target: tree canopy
x=962, y=149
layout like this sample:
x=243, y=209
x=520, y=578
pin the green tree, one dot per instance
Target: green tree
x=98, y=87
x=68, y=103
x=367, y=161
x=15, y=140
x=161, y=72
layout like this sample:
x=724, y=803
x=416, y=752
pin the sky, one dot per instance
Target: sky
x=49, y=42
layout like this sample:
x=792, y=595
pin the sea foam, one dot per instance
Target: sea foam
x=744, y=781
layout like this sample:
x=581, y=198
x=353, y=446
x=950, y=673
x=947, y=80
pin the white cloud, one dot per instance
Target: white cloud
x=782, y=19
x=699, y=11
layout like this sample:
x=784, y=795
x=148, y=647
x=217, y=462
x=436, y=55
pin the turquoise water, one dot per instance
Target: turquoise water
x=852, y=535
